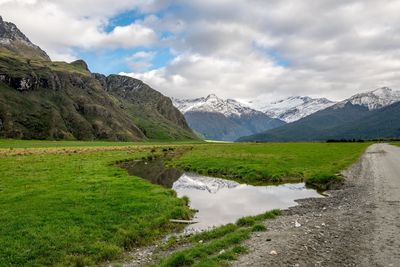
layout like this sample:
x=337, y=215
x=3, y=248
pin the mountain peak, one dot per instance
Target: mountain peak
x=375, y=99
x=213, y=103
x=212, y=97
x=14, y=40
x=292, y=108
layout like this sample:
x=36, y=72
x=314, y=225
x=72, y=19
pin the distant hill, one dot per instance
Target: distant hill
x=41, y=99
x=218, y=119
x=369, y=115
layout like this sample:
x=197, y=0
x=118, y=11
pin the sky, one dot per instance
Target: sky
x=243, y=49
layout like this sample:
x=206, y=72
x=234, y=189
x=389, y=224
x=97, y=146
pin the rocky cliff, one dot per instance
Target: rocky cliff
x=41, y=99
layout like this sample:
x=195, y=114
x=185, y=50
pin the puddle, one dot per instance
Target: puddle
x=219, y=201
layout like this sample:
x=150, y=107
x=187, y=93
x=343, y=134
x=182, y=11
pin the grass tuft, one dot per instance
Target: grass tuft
x=259, y=228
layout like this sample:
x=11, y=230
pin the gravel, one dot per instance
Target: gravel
x=356, y=225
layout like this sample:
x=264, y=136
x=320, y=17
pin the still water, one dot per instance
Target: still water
x=219, y=201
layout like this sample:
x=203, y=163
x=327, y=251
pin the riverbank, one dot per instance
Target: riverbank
x=357, y=225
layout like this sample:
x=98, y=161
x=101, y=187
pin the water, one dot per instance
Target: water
x=219, y=201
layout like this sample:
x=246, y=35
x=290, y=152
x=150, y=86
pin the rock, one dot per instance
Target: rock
x=297, y=224
x=222, y=252
x=14, y=40
x=201, y=241
x=273, y=252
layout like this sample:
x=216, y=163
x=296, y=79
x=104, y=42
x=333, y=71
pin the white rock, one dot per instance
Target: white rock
x=297, y=224
x=273, y=252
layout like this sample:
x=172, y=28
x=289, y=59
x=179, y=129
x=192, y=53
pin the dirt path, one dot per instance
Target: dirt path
x=357, y=225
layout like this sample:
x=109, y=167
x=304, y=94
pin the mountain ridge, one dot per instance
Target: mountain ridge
x=42, y=99
x=223, y=119
x=14, y=40
x=292, y=108
x=351, y=118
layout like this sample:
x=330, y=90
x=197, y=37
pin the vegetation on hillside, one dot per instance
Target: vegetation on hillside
x=41, y=99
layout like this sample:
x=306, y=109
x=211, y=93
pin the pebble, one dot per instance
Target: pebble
x=273, y=252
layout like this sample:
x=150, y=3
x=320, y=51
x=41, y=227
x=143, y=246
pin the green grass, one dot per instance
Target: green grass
x=15, y=143
x=272, y=162
x=10, y=56
x=218, y=246
x=395, y=143
x=78, y=209
x=72, y=208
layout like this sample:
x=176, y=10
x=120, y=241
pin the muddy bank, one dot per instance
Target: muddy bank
x=357, y=225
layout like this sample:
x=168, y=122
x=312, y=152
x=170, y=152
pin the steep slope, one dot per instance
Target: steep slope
x=380, y=123
x=375, y=99
x=366, y=116
x=41, y=99
x=218, y=119
x=151, y=111
x=14, y=40
x=313, y=127
x=292, y=108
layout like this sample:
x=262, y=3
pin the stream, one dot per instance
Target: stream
x=219, y=201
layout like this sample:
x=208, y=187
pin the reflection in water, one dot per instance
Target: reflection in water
x=153, y=171
x=219, y=201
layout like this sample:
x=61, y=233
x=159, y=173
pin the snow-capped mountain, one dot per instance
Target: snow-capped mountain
x=223, y=119
x=212, y=103
x=292, y=108
x=369, y=115
x=375, y=99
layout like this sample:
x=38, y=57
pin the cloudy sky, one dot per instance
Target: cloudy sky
x=239, y=49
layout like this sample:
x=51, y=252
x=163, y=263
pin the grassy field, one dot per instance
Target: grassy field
x=78, y=208
x=66, y=203
x=13, y=143
x=396, y=143
x=262, y=163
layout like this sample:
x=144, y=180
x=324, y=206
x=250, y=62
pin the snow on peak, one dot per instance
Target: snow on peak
x=292, y=108
x=375, y=99
x=212, y=103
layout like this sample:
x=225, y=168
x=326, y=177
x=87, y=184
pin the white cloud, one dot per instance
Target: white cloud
x=141, y=61
x=241, y=48
x=57, y=26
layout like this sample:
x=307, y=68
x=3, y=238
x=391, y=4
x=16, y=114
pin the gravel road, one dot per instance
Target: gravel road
x=356, y=225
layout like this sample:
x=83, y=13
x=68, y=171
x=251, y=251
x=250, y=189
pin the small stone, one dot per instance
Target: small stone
x=297, y=224
x=268, y=239
x=222, y=252
x=273, y=252
x=201, y=241
x=323, y=224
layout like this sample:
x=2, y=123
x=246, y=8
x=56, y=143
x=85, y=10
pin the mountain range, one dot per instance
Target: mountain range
x=42, y=99
x=219, y=119
x=292, y=108
x=370, y=115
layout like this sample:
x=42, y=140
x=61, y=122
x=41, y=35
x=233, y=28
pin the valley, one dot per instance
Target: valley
x=70, y=198
x=118, y=170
